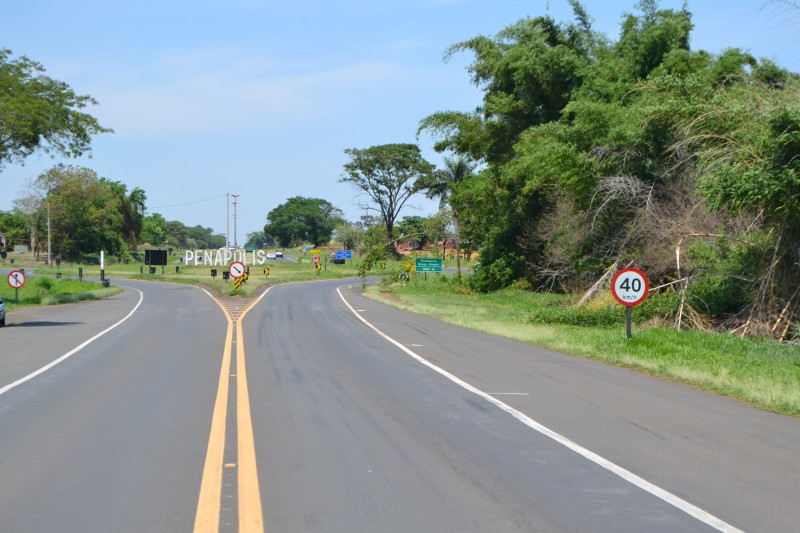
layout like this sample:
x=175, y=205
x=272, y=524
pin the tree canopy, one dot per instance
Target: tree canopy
x=38, y=113
x=303, y=219
x=388, y=176
x=596, y=152
x=88, y=213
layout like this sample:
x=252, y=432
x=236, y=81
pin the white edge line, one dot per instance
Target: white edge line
x=74, y=350
x=614, y=468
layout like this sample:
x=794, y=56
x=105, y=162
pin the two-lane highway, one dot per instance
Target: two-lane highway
x=316, y=409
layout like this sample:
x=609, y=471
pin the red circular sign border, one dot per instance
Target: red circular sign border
x=646, y=286
x=244, y=269
x=24, y=278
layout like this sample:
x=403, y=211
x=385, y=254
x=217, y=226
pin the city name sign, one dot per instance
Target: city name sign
x=224, y=257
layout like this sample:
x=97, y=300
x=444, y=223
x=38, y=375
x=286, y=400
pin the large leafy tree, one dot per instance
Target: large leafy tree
x=154, y=229
x=15, y=225
x=205, y=237
x=443, y=183
x=131, y=207
x=84, y=212
x=38, y=113
x=303, y=219
x=388, y=175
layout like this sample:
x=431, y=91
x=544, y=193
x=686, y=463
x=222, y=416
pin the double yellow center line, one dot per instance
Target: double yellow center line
x=249, y=494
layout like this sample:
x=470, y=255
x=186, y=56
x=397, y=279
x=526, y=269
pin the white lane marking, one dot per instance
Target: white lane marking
x=74, y=350
x=668, y=497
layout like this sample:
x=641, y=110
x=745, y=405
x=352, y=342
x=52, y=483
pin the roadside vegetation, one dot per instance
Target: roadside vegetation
x=760, y=372
x=49, y=291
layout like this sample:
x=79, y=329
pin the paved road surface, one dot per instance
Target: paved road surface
x=427, y=428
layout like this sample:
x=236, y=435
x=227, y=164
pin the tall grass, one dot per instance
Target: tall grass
x=760, y=372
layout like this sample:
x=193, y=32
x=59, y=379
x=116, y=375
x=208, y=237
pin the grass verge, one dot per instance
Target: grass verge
x=759, y=372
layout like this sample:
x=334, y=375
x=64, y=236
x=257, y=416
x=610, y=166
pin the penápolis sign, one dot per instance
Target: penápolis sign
x=224, y=257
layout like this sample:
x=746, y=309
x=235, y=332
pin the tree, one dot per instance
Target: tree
x=413, y=228
x=443, y=183
x=178, y=235
x=131, y=207
x=388, y=175
x=154, y=229
x=15, y=225
x=351, y=236
x=258, y=239
x=205, y=238
x=40, y=113
x=84, y=212
x=303, y=219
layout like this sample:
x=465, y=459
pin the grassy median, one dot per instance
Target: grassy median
x=763, y=373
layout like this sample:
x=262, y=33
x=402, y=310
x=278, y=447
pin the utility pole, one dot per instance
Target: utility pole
x=227, y=220
x=49, y=249
x=235, y=242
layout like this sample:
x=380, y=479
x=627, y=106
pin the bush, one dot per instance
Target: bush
x=44, y=284
x=496, y=275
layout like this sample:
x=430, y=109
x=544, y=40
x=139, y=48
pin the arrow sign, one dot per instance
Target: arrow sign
x=236, y=269
x=16, y=279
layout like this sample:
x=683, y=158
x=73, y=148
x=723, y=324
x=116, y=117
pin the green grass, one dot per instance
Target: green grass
x=759, y=372
x=50, y=291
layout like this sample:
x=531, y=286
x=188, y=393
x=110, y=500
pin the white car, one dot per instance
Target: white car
x=2, y=312
x=271, y=255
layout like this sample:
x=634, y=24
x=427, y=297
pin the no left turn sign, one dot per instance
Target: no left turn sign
x=630, y=286
x=16, y=279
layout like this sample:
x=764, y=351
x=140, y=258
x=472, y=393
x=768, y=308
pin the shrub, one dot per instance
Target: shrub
x=45, y=284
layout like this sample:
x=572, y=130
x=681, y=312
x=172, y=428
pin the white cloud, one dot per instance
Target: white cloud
x=199, y=92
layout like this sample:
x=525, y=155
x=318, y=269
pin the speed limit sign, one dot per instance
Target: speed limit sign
x=630, y=286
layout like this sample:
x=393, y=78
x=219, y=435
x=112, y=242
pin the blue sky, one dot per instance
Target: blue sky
x=261, y=97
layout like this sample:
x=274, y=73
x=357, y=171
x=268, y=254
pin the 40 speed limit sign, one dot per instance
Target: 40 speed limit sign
x=630, y=286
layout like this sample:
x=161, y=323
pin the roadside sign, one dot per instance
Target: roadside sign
x=316, y=260
x=16, y=279
x=314, y=252
x=344, y=254
x=237, y=269
x=429, y=264
x=630, y=286
x=238, y=283
x=266, y=272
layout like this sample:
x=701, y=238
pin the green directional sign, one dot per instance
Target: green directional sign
x=429, y=264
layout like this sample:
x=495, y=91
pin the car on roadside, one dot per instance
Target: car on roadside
x=2, y=312
x=270, y=255
x=279, y=253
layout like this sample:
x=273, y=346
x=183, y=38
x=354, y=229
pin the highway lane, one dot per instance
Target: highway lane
x=353, y=434
x=734, y=461
x=114, y=437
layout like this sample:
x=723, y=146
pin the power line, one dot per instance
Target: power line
x=186, y=203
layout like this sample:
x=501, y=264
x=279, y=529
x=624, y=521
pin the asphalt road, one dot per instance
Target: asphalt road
x=114, y=437
x=330, y=425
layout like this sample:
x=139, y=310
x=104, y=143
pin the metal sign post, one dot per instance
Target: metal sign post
x=16, y=279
